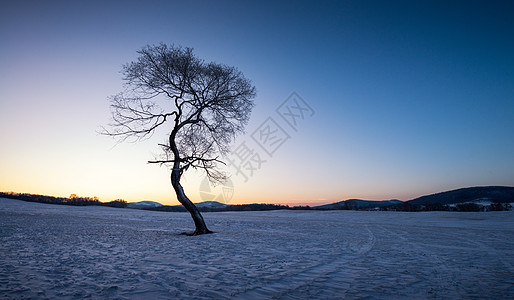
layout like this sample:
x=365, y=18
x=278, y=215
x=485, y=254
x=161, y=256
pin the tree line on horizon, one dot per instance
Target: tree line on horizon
x=232, y=207
x=73, y=199
x=496, y=205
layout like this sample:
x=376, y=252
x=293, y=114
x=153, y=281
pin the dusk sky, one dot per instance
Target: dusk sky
x=402, y=98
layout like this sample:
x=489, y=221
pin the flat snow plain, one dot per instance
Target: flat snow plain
x=66, y=252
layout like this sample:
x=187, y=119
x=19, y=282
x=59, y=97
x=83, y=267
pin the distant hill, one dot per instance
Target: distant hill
x=486, y=198
x=357, y=203
x=143, y=204
x=502, y=194
x=210, y=204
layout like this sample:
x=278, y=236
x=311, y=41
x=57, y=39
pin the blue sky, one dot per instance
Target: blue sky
x=410, y=97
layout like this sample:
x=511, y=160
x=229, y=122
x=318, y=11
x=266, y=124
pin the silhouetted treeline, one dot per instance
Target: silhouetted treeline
x=496, y=205
x=463, y=207
x=72, y=200
x=119, y=203
x=168, y=208
x=405, y=206
x=237, y=207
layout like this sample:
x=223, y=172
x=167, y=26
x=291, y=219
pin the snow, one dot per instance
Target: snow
x=52, y=251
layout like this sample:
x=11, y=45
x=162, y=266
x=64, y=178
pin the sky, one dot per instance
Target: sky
x=394, y=99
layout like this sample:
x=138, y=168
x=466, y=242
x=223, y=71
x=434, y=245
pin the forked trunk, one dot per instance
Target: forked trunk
x=201, y=228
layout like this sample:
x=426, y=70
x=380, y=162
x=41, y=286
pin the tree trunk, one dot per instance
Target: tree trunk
x=201, y=228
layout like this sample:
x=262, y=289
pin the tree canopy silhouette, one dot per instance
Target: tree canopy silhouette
x=206, y=104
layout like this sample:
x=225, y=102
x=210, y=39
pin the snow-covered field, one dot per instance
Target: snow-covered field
x=55, y=252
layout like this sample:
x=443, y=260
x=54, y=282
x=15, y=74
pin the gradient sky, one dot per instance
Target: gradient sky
x=409, y=97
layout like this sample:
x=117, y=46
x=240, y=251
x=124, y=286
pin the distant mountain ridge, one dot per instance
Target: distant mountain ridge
x=502, y=194
x=481, y=198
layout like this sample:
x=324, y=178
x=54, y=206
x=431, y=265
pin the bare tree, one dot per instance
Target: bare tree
x=207, y=105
